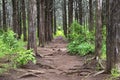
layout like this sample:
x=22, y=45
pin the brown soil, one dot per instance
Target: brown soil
x=55, y=64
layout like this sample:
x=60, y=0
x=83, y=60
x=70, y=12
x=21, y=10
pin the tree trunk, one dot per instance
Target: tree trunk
x=32, y=44
x=70, y=13
x=55, y=25
x=113, y=35
x=76, y=10
x=98, y=32
x=80, y=12
x=42, y=23
x=15, y=15
x=38, y=18
x=4, y=15
x=50, y=20
x=64, y=18
x=19, y=20
x=91, y=21
x=0, y=20
x=24, y=20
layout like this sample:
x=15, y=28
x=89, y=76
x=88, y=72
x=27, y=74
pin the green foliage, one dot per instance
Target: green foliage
x=13, y=49
x=103, y=56
x=81, y=42
x=23, y=57
x=75, y=31
x=80, y=48
x=115, y=73
x=59, y=32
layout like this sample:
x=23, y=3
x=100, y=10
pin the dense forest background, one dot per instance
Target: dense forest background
x=90, y=26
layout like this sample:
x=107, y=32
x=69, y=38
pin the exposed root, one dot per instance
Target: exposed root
x=45, y=66
x=28, y=75
x=36, y=71
x=100, y=72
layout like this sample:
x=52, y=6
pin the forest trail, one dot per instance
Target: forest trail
x=55, y=64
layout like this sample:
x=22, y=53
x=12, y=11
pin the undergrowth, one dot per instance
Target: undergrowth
x=13, y=52
x=82, y=41
x=59, y=33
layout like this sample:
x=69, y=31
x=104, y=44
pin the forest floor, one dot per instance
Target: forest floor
x=55, y=64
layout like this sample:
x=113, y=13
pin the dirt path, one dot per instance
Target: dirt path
x=55, y=64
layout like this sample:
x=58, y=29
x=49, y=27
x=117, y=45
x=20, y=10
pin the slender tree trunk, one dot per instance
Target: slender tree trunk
x=91, y=22
x=0, y=20
x=19, y=20
x=64, y=18
x=42, y=23
x=55, y=25
x=76, y=10
x=98, y=32
x=50, y=20
x=4, y=15
x=46, y=21
x=70, y=13
x=38, y=18
x=80, y=12
x=24, y=20
x=32, y=44
x=15, y=15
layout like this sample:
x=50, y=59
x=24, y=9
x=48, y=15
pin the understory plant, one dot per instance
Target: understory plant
x=12, y=51
x=81, y=41
x=59, y=33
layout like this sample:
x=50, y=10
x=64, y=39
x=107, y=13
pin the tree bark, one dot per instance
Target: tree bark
x=15, y=15
x=32, y=44
x=0, y=20
x=42, y=24
x=38, y=18
x=113, y=35
x=70, y=13
x=19, y=19
x=64, y=18
x=4, y=15
x=80, y=12
x=24, y=20
x=98, y=32
x=91, y=21
x=55, y=25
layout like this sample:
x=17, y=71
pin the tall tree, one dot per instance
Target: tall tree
x=64, y=18
x=76, y=10
x=15, y=15
x=4, y=15
x=48, y=20
x=19, y=19
x=0, y=20
x=42, y=23
x=54, y=14
x=32, y=44
x=98, y=30
x=38, y=18
x=24, y=20
x=80, y=11
x=70, y=13
x=91, y=21
x=113, y=34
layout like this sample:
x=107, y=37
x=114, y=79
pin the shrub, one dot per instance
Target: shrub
x=59, y=32
x=13, y=50
x=81, y=42
x=83, y=48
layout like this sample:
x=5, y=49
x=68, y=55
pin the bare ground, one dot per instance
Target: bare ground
x=55, y=64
